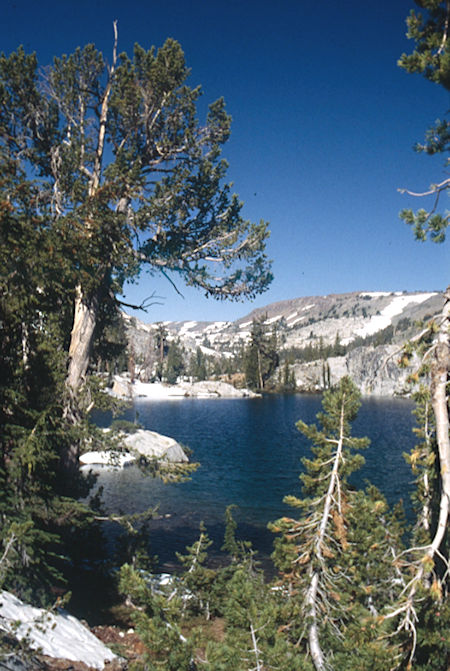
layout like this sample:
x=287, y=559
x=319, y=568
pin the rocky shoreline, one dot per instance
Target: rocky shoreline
x=123, y=388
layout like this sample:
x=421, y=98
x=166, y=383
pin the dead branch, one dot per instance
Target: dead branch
x=434, y=189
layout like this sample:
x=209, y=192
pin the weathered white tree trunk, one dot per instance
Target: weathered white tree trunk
x=313, y=633
x=256, y=651
x=440, y=370
x=261, y=381
x=86, y=306
x=84, y=321
x=311, y=596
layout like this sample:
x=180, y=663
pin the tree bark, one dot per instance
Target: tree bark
x=440, y=370
x=313, y=634
x=311, y=597
x=82, y=336
x=86, y=306
x=261, y=381
x=84, y=321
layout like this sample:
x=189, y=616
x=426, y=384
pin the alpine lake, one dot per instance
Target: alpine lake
x=250, y=452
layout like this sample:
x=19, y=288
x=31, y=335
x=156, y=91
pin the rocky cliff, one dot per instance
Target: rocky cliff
x=374, y=370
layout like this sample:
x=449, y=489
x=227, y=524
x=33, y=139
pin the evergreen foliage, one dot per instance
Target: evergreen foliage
x=175, y=366
x=198, y=580
x=198, y=369
x=335, y=559
x=71, y=235
x=261, y=355
x=321, y=351
x=104, y=170
x=176, y=621
x=431, y=58
x=421, y=608
x=343, y=572
x=161, y=347
x=126, y=178
x=36, y=511
x=287, y=381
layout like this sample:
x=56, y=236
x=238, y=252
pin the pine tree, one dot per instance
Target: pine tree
x=129, y=178
x=175, y=366
x=431, y=58
x=157, y=613
x=252, y=639
x=330, y=556
x=421, y=604
x=161, y=347
x=251, y=611
x=420, y=608
x=261, y=356
x=197, y=365
x=36, y=511
x=197, y=579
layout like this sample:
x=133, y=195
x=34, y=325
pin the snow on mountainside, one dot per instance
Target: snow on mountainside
x=393, y=309
x=299, y=321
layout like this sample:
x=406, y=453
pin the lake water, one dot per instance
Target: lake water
x=250, y=452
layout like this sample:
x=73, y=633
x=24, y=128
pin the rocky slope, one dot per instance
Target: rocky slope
x=352, y=318
x=374, y=370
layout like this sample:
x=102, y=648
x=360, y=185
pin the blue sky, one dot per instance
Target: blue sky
x=324, y=123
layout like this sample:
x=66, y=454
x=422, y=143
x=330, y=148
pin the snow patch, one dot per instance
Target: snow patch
x=187, y=326
x=155, y=390
x=208, y=350
x=216, y=326
x=59, y=635
x=395, y=307
x=109, y=458
x=244, y=325
x=295, y=321
x=308, y=307
x=271, y=320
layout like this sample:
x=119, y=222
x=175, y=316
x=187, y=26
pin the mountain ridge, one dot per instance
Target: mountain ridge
x=293, y=314
x=368, y=326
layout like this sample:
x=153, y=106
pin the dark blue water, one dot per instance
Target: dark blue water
x=250, y=454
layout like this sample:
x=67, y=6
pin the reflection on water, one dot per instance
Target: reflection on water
x=250, y=454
